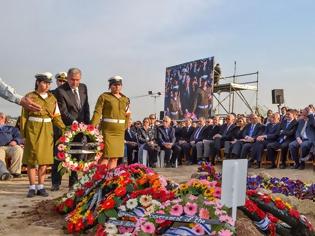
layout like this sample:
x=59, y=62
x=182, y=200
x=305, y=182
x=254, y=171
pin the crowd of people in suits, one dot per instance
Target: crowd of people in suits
x=290, y=133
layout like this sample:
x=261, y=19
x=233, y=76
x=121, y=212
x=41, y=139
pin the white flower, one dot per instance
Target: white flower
x=70, y=194
x=150, y=210
x=145, y=200
x=156, y=203
x=132, y=203
x=110, y=228
x=122, y=208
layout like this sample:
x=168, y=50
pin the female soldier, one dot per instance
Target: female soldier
x=37, y=129
x=113, y=108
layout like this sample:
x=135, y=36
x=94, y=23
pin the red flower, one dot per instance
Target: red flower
x=74, y=126
x=280, y=205
x=62, y=139
x=90, y=219
x=69, y=203
x=272, y=218
x=100, y=231
x=90, y=128
x=70, y=227
x=120, y=191
x=79, y=192
x=251, y=192
x=61, y=206
x=88, y=184
x=61, y=156
x=260, y=213
x=97, y=176
x=102, y=145
x=108, y=204
x=294, y=213
x=266, y=198
x=79, y=225
x=250, y=206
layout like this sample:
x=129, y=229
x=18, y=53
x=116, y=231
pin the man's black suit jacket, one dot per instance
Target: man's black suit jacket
x=68, y=107
x=164, y=137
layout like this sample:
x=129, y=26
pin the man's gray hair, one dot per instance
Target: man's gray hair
x=73, y=71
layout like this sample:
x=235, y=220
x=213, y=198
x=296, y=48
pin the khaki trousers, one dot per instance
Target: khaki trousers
x=15, y=155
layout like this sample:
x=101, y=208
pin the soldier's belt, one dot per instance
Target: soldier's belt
x=202, y=107
x=37, y=119
x=114, y=121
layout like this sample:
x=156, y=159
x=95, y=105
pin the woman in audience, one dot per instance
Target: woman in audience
x=147, y=142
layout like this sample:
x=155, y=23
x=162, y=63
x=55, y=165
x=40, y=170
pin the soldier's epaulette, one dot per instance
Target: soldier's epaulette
x=32, y=95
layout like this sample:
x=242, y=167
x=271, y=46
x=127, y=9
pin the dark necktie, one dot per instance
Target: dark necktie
x=76, y=96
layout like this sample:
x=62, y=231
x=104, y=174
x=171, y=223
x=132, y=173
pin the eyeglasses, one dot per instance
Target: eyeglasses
x=164, y=120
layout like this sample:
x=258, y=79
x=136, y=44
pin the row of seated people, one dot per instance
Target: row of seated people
x=241, y=137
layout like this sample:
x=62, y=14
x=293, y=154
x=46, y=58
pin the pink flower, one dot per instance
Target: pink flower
x=224, y=218
x=199, y=230
x=192, y=198
x=148, y=227
x=123, y=229
x=203, y=213
x=190, y=208
x=219, y=204
x=176, y=210
x=225, y=232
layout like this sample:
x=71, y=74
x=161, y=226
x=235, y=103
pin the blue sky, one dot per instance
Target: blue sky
x=139, y=39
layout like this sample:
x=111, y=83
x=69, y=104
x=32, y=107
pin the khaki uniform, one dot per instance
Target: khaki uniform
x=201, y=103
x=39, y=143
x=175, y=108
x=113, y=112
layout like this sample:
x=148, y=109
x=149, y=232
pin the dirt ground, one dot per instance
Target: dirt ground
x=23, y=216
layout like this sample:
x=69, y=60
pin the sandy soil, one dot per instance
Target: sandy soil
x=23, y=216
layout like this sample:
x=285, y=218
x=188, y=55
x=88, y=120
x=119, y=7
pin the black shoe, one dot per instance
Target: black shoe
x=271, y=167
x=296, y=166
x=173, y=165
x=42, y=192
x=16, y=175
x=55, y=188
x=31, y=193
x=307, y=157
x=282, y=166
x=301, y=167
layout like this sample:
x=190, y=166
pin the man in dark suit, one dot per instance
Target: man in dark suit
x=243, y=146
x=227, y=132
x=304, y=138
x=210, y=131
x=61, y=78
x=166, y=140
x=196, y=140
x=73, y=103
x=270, y=135
x=184, y=138
x=287, y=135
x=131, y=142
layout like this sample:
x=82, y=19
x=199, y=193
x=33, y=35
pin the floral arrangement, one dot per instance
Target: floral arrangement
x=275, y=216
x=68, y=161
x=212, y=174
x=210, y=190
x=283, y=185
x=100, y=192
x=197, y=212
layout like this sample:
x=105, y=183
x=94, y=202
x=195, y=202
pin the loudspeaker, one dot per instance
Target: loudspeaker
x=277, y=96
x=161, y=115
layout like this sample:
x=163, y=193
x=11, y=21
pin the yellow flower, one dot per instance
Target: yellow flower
x=183, y=187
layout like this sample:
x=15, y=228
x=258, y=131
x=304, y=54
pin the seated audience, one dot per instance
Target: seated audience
x=131, y=142
x=196, y=140
x=10, y=149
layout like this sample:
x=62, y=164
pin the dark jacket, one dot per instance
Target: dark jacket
x=310, y=128
x=272, y=132
x=201, y=134
x=145, y=136
x=211, y=131
x=288, y=132
x=258, y=130
x=9, y=133
x=185, y=133
x=164, y=137
x=68, y=107
x=228, y=133
x=131, y=136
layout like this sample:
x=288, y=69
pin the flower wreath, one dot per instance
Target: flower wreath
x=67, y=160
x=274, y=216
x=188, y=207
